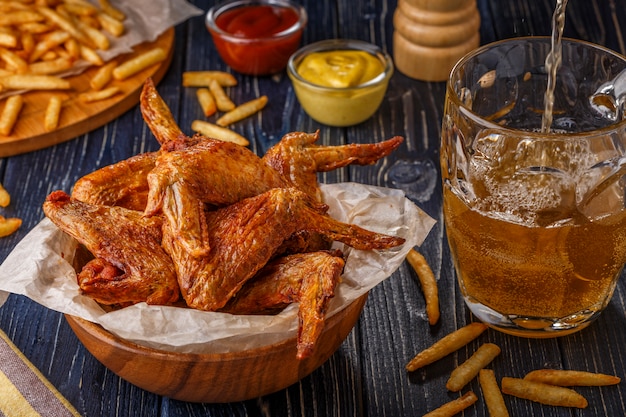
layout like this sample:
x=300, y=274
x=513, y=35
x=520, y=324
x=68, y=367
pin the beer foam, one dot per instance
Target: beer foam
x=517, y=201
x=517, y=178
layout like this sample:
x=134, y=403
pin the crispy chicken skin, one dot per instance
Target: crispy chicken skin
x=123, y=184
x=158, y=116
x=122, y=240
x=317, y=289
x=209, y=172
x=298, y=159
x=217, y=172
x=245, y=235
x=307, y=278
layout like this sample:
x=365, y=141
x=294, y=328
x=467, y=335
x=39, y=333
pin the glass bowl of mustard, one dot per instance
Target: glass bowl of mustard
x=340, y=82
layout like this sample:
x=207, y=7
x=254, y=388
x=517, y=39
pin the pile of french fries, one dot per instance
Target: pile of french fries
x=545, y=386
x=213, y=98
x=40, y=40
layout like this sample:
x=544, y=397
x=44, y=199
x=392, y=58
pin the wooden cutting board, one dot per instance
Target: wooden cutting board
x=77, y=117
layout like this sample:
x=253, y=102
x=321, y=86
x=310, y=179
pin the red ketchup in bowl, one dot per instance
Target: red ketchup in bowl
x=256, y=21
x=258, y=38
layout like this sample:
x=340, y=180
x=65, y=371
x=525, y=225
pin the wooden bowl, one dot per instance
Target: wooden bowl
x=214, y=378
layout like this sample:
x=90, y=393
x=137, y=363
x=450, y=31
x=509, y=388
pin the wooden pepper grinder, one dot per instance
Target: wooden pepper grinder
x=431, y=35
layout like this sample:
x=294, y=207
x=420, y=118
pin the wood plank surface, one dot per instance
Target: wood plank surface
x=366, y=376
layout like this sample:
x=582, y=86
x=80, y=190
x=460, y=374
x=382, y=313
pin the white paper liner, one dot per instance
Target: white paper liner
x=40, y=267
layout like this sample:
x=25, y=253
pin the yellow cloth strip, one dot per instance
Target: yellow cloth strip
x=39, y=375
x=12, y=402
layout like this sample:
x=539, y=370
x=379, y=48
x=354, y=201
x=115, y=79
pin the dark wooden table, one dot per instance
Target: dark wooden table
x=366, y=376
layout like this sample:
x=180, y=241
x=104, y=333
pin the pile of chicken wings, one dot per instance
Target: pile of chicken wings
x=210, y=225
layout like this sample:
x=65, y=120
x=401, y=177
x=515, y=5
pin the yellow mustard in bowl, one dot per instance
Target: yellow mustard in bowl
x=340, y=82
x=341, y=68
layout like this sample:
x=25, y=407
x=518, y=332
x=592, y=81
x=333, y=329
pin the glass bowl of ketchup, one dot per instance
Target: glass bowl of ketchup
x=256, y=37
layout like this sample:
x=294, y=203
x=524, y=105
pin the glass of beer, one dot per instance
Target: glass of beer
x=534, y=212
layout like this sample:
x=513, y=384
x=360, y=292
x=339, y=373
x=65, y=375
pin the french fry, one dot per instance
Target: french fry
x=203, y=78
x=211, y=130
x=9, y=6
x=91, y=96
x=543, y=393
x=465, y=372
x=6, y=7
x=98, y=38
x=50, y=55
x=206, y=100
x=34, y=82
x=454, y=407
x=90, y=55
x=48, y=42
x=428, y=283
x=223, y=102
x=9, y=114
x=111, y=25
x=54, y=66
x=8, y=39
x=67, y=25
x=492, y=394
x=14, y=61
x=111, y=11
x=80, y=8
x=91, y=21
x=450, y=343
x=34, y=27
x=28, y=43
x=20, y=16
x=571, y=378
x=73, y=48
x=103, y=76
x=5, y=197
x=242, y=111
x=139, y=63
x=53, y=113
x=9, y=225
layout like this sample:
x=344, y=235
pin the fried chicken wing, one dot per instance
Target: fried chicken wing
x=307, y=278
x=122, y=241
x=318, y=287
x=245, y=235
x=158, y=116
x=299, y=159
x=122, y=184
x=279, y=282
x=125, y=183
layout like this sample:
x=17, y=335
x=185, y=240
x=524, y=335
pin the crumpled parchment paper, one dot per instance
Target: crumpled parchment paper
x=146, y=20
x=40, y=267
